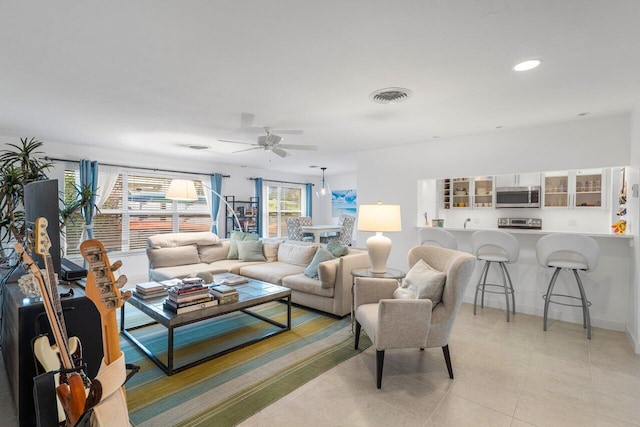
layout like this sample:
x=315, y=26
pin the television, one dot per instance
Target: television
x=41, y=200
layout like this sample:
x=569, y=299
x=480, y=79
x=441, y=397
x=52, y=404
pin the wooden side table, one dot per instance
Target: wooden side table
x=366, y=272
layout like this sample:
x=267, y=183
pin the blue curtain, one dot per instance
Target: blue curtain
x=88, y=178
x=260, y=204
x=216, y=185
x=309, y=199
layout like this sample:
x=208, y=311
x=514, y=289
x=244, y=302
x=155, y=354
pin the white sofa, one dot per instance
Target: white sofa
x=177, y=255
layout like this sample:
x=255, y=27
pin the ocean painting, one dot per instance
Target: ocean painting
x=343, y=202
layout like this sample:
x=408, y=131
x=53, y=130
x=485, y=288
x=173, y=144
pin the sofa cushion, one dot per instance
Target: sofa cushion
x=271, y=272
x=296, y=254
x=168, y=240
x=212, y=253
x=302, y=283
x=336, y=249
x=270, y=251
x=327, y=272
x=172, y=256
x=425, y=282
x=320, y=256
x=250, y=250
x=229, y=265
x=237, y=236
x=178, y=271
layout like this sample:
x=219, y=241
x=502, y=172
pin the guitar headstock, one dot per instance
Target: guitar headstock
x=42, y=242
x=101, y=287
x=26, y=259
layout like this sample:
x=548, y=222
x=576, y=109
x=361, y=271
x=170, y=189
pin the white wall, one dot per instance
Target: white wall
x=392, y=174
x=633, y=204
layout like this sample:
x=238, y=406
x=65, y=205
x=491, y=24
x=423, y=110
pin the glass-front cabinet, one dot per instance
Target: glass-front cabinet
x=461, y=192
x=483, y=192
x=574, y=189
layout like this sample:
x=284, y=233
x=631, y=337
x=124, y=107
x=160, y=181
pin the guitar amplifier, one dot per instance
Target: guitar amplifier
x=71, y=271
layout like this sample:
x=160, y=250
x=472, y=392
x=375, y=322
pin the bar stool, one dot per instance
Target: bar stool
x=573, y=252
x=434, y=236
x=499, y=247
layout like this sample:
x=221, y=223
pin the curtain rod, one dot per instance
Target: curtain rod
x=47, y=158
x=281, y=182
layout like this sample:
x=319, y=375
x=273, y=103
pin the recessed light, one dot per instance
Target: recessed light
x=435, y=137
x=499, y=127
x=527, y=65
x=314, y=166
x=582, y=114
x=198, y=147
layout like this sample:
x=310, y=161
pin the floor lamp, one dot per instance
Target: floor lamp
x=379, y=218
x=185, y=190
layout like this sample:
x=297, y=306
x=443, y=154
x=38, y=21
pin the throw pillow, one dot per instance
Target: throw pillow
x=425, y=282
x=250, y=250
x=270, y=251
x=296, y=254
x=404, y=293
x=336, y=249
x=238, y=236
x=320, y=256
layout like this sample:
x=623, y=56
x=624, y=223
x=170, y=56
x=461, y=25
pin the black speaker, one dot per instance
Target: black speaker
x=71, y=271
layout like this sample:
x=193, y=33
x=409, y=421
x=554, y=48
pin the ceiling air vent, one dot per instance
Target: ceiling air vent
x=389, y=95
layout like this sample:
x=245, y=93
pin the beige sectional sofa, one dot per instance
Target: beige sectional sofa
x=177, y=255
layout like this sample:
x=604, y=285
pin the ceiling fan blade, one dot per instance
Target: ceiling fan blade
x=247, y=149
x=236, y=142
x=299, y=147
x=288, y=131
x=280, y=152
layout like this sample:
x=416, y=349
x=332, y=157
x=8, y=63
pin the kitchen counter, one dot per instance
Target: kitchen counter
x=541, y=232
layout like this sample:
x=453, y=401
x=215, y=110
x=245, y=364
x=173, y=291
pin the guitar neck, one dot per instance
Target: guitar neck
x=54, y=296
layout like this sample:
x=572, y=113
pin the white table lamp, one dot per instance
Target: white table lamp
x=185, y=190
x=379, y=218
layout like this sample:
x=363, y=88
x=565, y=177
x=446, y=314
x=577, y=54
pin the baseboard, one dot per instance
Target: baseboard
x=633, y=340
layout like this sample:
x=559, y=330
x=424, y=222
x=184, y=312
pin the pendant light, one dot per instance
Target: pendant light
x=324, y=189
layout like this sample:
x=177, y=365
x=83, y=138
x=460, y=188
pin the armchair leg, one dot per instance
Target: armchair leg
x=447, y=359
x=358, y=327
x=379, y=364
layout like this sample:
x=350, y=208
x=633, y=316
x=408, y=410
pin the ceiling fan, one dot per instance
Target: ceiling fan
x=270, y=141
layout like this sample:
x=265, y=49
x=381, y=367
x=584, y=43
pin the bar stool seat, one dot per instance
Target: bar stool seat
x=434, y=236
x=573, y=252
x=499, y=247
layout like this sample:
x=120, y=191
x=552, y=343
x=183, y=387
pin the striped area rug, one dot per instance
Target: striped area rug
x=226, y=390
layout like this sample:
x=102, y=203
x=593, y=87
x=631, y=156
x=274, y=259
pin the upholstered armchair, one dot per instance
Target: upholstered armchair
x=412, y=323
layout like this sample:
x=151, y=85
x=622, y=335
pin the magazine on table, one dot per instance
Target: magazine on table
x=229, y=279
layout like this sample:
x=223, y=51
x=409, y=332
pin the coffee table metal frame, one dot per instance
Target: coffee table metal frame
x=251, y=294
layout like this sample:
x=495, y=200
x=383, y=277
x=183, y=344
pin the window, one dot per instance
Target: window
x=283, y=202
x=128, y=218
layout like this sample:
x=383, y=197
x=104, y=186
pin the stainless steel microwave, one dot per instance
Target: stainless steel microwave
x=518, y=197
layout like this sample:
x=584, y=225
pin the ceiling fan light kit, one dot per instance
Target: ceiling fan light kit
x=324, y=189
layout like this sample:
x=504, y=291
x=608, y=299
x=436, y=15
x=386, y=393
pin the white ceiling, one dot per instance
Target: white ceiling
x=156, y=75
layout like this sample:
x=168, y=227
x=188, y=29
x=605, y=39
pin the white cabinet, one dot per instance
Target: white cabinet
x=518, y=180
x=578, y=189
x=464, y=193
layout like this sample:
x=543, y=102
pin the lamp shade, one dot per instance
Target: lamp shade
x=379, y=217
x=182, y=189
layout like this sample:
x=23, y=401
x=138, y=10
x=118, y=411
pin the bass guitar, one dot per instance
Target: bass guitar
x=71, y=389
x=104, y=291
x=48, y=354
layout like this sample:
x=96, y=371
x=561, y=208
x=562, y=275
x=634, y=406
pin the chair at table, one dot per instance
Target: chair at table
x=434, y=236
x=346, y=223
x=412, y=323
x=294, y=229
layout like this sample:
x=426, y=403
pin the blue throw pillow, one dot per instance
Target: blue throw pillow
x=336, y=249
x=320, y=256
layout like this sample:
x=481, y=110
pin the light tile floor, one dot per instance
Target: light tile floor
x=506, y=374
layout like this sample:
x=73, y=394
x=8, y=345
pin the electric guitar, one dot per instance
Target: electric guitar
x=50, y=356
x=71, y=391
x=104, y=291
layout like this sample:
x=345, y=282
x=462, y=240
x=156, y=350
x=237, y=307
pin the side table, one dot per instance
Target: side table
x=366, y=272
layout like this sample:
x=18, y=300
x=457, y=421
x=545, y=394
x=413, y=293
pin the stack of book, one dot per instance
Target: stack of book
x=148, y=290
x=224, y=294
x=189, y=296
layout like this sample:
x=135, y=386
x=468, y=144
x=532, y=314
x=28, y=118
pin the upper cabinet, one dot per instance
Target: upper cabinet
x=518, y=180
x=575, y=189
x=468, y=192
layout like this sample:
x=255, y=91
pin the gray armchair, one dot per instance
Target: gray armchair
x=412, y=323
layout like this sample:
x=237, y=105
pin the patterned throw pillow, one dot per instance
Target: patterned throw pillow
x=320, y=256
x=237, y=236
x=336, y=249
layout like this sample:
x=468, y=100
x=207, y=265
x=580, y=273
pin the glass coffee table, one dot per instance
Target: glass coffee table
x=251, y=294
